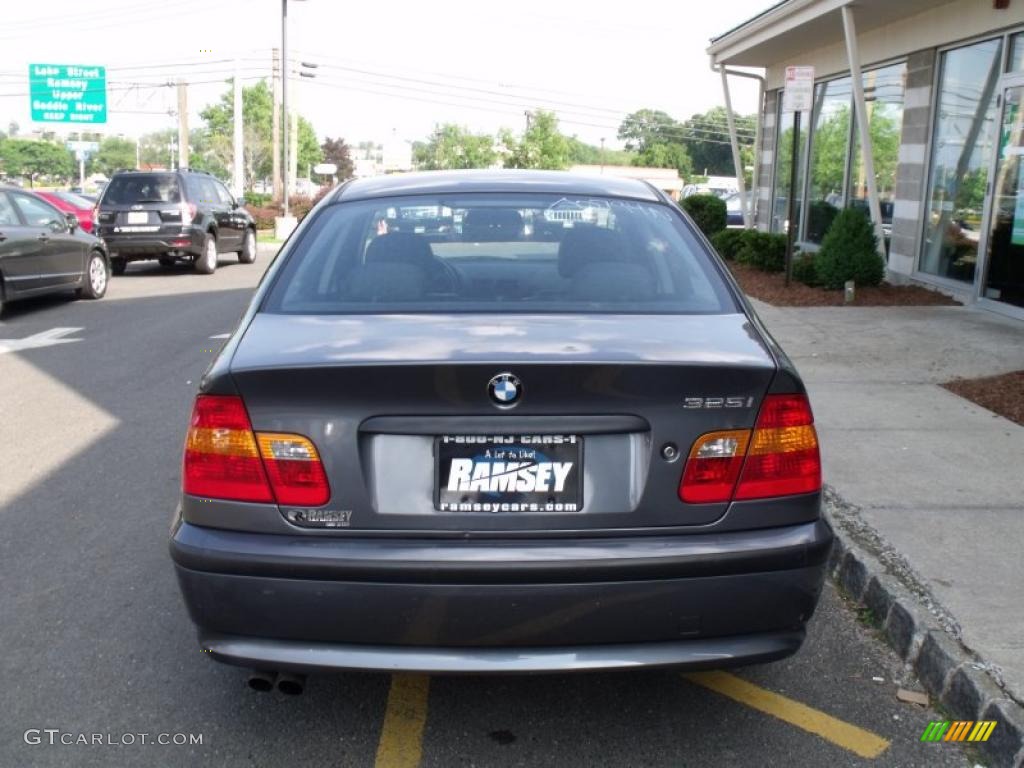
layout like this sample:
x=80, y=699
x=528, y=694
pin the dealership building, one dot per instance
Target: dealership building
x=934, y=89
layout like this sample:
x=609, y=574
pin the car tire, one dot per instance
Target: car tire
x=118, y=265
x=206, y=262
x=166, y=262
x=96, y=277
x=248, y=253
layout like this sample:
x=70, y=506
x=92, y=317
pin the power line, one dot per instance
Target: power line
x=509, y=108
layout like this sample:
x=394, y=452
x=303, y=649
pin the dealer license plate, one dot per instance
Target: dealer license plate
x=508, y=473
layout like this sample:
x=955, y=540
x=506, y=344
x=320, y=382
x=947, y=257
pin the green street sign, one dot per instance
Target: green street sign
x=67, y=93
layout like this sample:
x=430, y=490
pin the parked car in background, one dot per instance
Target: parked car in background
x=69, y=202
x=43, y=250
x=171, y=215
x=734, y=209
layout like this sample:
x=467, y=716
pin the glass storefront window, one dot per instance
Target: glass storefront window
x=1016, y=62
x=883, y=98
x=962, y=147
x=783, y=166
x=830, y=146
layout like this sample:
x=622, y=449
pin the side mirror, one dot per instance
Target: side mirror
x=72, y=221
x=240, y=202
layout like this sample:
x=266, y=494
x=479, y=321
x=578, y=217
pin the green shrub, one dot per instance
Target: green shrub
x=849, y=252
x=763, y=250
x=728, y=242
x=707, y=211
x=804, y=270
x=820, y=216
x=256, y=200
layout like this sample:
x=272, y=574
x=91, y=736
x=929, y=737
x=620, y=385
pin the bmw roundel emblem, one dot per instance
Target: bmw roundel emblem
x=505, y=390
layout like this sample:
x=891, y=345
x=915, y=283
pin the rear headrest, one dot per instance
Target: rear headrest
x=492, y=224
x=583, y=245
x=403, y=247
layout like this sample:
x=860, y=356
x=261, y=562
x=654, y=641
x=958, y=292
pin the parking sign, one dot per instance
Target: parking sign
x=798, y=95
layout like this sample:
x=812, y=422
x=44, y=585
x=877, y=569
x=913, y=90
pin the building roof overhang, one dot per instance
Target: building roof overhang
x=793, y=26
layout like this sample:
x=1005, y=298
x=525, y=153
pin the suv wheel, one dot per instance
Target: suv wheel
x=206, y=264
x=167, y=261
x=118, y=265
x=96, y=277
x=248, y=253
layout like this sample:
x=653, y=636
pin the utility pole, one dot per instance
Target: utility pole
x=182, y=124
x=276, y=130
x=285, y=76
x=529, y=118
x=239, y=172
x=602, y=154
x=293, y=143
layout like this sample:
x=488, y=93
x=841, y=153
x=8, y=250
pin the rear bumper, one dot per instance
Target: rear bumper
x=151, y=244
x=316, y=603
x=296, y=656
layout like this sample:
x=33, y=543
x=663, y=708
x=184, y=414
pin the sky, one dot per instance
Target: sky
x=386, y=70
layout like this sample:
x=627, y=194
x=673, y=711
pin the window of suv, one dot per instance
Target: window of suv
x=134, y=188
x=536, y=253
x=223, y=194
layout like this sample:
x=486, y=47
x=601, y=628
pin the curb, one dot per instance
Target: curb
x=921, y=632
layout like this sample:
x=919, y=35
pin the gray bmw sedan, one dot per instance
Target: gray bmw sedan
x=502, y=421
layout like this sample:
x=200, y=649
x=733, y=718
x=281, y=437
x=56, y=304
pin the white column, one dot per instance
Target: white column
x=853, y=54
x=737, y=161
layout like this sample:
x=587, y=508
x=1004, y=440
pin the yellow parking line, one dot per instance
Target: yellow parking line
x=401, y=735
x=849, y=737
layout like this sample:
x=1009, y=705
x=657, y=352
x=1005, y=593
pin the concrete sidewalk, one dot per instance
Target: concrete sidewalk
x=939, y=479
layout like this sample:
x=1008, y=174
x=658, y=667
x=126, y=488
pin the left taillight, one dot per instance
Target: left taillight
x=225, y=459
x=780, y=457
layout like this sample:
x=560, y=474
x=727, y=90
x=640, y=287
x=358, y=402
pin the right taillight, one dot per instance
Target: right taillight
x=779, y=458
x=225, y=459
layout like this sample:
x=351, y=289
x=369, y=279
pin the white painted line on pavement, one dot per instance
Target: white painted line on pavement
x=221, y=336
x=49, y=338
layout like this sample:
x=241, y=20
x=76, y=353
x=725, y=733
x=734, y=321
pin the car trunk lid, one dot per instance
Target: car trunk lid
x=610, y=406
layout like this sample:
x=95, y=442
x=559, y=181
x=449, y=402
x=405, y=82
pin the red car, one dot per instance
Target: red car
x=69, y=202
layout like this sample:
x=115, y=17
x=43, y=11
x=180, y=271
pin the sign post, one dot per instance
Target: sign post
x=797, y=97
x=82, y=150
x=67, y=93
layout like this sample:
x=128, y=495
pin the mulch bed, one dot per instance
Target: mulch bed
x=771, y=287
x=1002, y=394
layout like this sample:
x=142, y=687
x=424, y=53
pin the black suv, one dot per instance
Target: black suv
x=168, y=215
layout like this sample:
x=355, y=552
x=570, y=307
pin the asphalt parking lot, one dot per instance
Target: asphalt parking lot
x=95, y=639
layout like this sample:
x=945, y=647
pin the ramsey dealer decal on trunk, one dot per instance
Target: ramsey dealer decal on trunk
x=527, y=473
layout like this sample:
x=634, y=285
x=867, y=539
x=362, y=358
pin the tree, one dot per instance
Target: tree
x=338, y=152
x=646, y=127
x=541, y=145
x=257, y=127
x=451, y=146
x=666, y=156
x=114, y=153
x=706, y=137
x=309, y=152
x=32, y=159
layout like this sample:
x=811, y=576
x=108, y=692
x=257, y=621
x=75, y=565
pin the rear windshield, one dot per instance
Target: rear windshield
x=498, y=253
x=132, y=188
